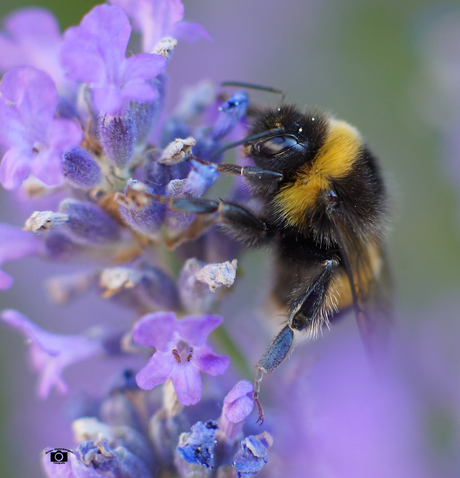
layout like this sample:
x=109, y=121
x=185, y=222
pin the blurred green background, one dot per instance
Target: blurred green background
x=362, y=60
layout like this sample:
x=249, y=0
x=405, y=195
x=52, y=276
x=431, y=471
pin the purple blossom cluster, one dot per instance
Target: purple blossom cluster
x=80, y=114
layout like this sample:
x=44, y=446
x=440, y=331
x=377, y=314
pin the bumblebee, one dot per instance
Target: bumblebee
x=324, y=209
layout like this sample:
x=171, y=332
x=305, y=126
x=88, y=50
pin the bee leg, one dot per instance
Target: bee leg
x=275, y=354
x=248, y=172
x=241, y=224
x=310, y=311
x=307, y=311
x=236, y=220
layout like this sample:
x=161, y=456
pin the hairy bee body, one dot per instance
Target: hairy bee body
x=330, y=203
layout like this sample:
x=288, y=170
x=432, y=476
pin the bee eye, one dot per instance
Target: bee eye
x=276, y=145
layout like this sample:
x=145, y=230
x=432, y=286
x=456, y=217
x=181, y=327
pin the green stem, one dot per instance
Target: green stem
x=229, y=348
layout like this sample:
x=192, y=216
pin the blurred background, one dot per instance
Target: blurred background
x=389, y=67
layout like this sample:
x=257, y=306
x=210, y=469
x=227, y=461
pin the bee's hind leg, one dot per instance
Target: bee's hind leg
x=308, y=311
x=273, y=357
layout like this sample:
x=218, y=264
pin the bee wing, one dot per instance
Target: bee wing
x=370, y=282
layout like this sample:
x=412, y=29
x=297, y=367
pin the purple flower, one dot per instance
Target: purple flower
x=157, y=19
x=32, y=37
x=15, y=244
x=34, y=140
x=252, y=456
x=198, y=446
x=230, y=113
x=94, y=53
x=238, y=405
x=181, y=352
x=51, y=353
x=199, y=179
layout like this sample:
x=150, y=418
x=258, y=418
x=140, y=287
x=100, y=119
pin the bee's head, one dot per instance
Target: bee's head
x=297, y=141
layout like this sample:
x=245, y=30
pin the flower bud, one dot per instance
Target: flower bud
x=199, y=179
x=238, y=405
x=60, y=247
x=147, y=219
x=230, y=113
x=80, y=169
x=146, y=115
x=88, y=224
x=118, y=138
x=157, y=290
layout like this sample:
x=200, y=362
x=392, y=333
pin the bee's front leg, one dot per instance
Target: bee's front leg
x=237, y=221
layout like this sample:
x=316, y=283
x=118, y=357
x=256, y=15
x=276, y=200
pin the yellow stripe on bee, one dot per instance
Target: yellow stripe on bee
x=333, y=161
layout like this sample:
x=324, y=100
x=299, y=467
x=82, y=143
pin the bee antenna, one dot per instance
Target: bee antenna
x=246, y=140
x=269, y=89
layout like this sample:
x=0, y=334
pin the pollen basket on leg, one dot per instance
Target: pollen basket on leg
x=334, y=160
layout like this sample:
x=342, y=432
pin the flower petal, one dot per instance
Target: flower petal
x=14, y=168
x=157, y=370
x=238, y=403
x=32, y=38
x=154, y=18
x=15, y=244
x=108, y=99
x=209, y=362
x=28, y=100
x=156, y=330
x=94, y=51
x=144, y=66
x=51, y=377
x=140, y=91
x=186, y=379
x=64, y=134
x=51, y=353
x=195, y=330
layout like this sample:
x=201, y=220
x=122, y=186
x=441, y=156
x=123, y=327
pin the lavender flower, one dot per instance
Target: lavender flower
x=32, y=37
x=253, y=455
x=50, y=353
x=231, y=112
x=181, y=353
x=15, y=244
x=198, y=445
x=238, y=405
x=34, y=140
x=94, y=53
x=157, y=19
x=99, y=172
x=199, y=179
